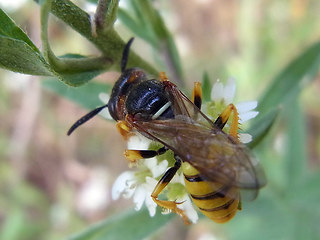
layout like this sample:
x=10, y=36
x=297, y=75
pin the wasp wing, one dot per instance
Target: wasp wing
x=195, y=139
x=184, y=109
x=213, y=153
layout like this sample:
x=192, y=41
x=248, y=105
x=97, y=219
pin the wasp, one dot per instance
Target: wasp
x=219, y=171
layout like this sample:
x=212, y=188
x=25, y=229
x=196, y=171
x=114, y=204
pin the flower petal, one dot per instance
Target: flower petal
x=246, y=106
x=188, y=208
x=104, y=97
x=138, y=141
x=105, y=113
x=217, y=91
x=122, y=184
x=159, y=169
x=245, y=137
x=150, y=184
x=143, y=194
x=151, y=163
x=243, y=117
x=178, y=178
x=139, y=197
x=151, y=205
x=229, y=91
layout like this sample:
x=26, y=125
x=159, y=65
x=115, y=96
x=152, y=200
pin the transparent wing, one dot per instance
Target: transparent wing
x=213, y=153
x=195, y=138
x=184, y=109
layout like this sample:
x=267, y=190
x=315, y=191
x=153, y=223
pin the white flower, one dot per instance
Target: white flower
x=92, y=196
x=124, y=185
x=245, y=110
x=127, y=185
x=143, y=194
x=222, y=95
x=188, y=208
x=225, y=93
x=140, y=183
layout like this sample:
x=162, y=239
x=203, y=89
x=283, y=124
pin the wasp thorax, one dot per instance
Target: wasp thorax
x=146, y=99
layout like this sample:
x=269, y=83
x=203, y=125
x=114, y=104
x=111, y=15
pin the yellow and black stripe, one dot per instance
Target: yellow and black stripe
x=211, y=198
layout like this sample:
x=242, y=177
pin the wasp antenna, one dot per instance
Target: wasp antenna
x=85, y=118
x=125, y=55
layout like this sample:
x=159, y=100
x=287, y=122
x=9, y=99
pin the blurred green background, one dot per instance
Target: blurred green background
x=52, y=186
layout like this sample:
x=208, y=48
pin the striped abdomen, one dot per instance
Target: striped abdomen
x=211, y=197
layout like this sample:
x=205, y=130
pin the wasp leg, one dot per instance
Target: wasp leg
x=124, y=129
x=197, y=94
x=163, y=182
x=134, y=155
x=223, y=118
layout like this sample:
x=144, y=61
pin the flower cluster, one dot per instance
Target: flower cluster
x=139, y=183
x=221, y=96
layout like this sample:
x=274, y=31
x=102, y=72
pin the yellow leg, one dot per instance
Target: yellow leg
x=134, y=155
x=163, y=182
x=224, y=116
x=197, y=94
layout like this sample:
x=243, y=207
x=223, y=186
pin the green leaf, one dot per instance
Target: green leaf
x=86, y=95
x=78, y=79
x=308, y=192
x=8, y=28
x=293, y=77
x=12, y=225
x=18, y=56
x=166, y=44
x=17, y=52
x=206, y=87
x=135, y=26
x=131, y=225
x=295, y=153
x=148, y=24
x=261, y=126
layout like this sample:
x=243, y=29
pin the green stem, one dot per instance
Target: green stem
x=106, y=14
x=66, y=64
x=108, y=42
x=47, y=52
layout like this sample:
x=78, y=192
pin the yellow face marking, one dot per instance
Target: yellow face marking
x=124, y=129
